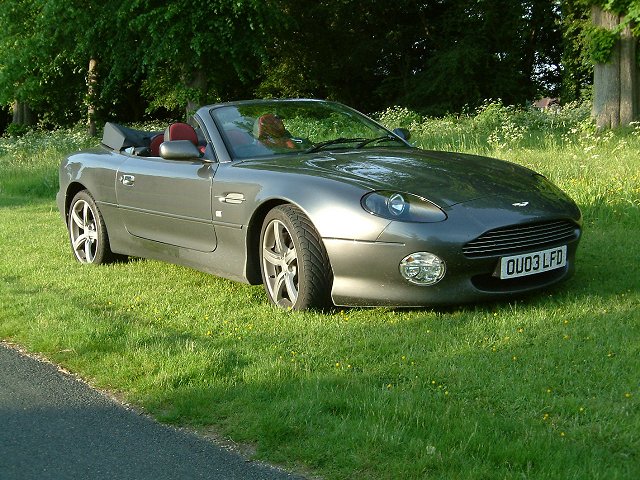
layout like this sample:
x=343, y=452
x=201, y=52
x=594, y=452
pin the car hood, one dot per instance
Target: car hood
x=442, y=177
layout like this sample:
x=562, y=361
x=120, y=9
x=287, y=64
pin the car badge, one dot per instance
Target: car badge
x=520, y=204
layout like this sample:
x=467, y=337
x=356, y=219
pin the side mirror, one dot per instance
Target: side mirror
x=403, y=133
x=179, y=150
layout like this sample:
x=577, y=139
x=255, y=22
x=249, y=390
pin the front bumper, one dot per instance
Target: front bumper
x=366, y=273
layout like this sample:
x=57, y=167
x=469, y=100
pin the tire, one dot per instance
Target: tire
x=294, y=263
x=87, y=231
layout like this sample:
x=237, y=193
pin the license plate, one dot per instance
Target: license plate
x=532, y=263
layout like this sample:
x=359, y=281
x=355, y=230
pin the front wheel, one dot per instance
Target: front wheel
x=87, y=232
x=295, y=266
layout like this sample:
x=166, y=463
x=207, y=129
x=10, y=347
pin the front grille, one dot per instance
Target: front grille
x=521, y=238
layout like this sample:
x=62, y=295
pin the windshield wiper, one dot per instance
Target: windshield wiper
x=335, y=141
x=383, y=138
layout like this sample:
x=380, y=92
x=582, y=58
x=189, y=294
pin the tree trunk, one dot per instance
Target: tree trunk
x=92, y=80
x=616, y=93
x=22, y=114
x=606, y=76
x=637, y=89
x=628, y=77
x=197, y=82
x=4, y=118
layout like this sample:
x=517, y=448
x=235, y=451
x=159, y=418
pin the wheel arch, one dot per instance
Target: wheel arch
x=72, y=190
x=253, y=238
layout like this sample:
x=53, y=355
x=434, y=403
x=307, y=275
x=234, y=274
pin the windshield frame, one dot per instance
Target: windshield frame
x=240, y=126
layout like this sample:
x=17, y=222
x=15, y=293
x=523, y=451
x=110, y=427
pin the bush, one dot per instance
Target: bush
x=492, y=126
x=16, y=130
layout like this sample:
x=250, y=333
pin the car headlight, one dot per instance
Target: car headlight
x=422, y=268
x=404, y=207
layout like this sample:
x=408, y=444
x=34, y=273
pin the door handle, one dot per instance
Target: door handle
x=127, y=180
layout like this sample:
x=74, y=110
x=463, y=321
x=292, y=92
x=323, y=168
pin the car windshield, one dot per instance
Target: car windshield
x=268, y=128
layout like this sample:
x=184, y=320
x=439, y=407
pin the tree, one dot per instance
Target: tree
x=432, y=56
x=576, y=63
x=45, y=48
x=4, y=118
x=93, y=58
x=343, y=50
x=72, y=59
x=614, y=43
x=496, y=49
x=195, y=55
x=15, y=36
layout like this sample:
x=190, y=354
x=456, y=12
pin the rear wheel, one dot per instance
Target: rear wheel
x=87, y=231
x=295, y=267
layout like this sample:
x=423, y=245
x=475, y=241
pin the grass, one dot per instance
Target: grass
x=544, y=387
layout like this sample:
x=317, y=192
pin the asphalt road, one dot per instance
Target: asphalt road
x=53, y=426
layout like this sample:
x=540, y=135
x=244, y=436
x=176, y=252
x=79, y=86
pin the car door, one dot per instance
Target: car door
x=168, y=201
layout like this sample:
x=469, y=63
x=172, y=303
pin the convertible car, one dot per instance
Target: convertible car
x=322, y=205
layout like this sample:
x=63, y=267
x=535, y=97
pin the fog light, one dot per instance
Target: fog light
x=422, y=268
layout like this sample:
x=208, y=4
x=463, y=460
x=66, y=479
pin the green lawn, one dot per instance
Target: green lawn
x=544, y=387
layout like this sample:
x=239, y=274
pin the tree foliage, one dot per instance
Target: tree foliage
x=577, y=66
x=436, y=56
x=602, y=41
x=144, y=48
x=205, y=53
x=45, y=50
x=162, y=57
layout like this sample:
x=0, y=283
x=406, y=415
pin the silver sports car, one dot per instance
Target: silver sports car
x=320, y=204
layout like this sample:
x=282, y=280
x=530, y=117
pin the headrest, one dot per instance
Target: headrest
x=181, y=131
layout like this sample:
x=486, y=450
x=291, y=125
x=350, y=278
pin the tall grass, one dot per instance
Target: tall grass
x=544, y=387
x=29, y=162
x=494, y=127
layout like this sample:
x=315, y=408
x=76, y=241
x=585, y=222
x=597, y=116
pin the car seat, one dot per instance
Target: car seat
x=182, y=131
x=154, y=145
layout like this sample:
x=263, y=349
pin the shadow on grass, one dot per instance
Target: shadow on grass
x=337, y=419
x=10, y=201
x=485, y=404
